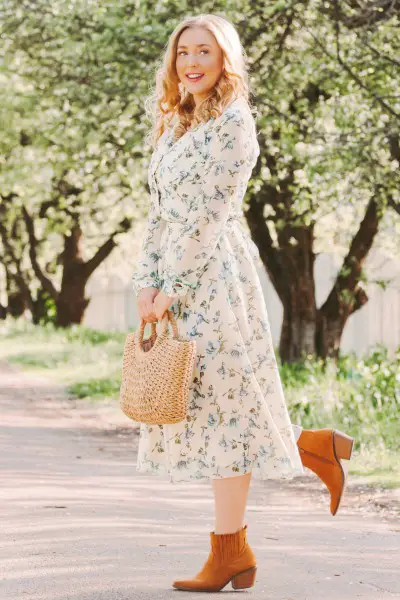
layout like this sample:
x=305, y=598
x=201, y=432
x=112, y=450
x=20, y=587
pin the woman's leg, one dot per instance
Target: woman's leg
x=297, y=429
x=231, y=557
x=230, y=495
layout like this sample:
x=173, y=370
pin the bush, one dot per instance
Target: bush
x=361, y=395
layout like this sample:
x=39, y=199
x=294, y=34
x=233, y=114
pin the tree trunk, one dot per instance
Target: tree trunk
x=298, y=330
x=16, y=304
x=298, y=295
x=347, y=296
x=329, y=335
x=71, y=303
x=18, y=295
x=290, y=266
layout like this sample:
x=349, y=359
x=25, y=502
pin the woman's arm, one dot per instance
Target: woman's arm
x=146, y=274
x=232, y=154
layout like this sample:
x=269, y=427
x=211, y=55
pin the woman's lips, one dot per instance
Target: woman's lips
x=194, y=79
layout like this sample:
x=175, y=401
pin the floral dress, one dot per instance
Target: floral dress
x=196, y=250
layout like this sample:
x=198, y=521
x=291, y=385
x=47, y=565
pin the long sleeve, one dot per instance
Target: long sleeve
x=146, y=273
x=225, y=171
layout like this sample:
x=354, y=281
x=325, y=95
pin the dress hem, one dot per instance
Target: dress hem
x=278, y=475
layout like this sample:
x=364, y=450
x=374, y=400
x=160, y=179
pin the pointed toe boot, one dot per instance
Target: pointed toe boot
x=230, y=559
x=321, y=450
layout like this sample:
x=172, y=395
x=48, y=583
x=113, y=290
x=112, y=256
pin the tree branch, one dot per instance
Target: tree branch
x=33, y=245
x=367, y=13
x=353, y=75
x=269, y=254
x=349, y=276
x=105, y=250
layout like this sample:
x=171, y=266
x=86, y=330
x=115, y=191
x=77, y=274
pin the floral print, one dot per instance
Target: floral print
x=196, y=250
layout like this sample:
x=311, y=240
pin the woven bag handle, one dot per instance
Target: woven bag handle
x=164, y=332
x=171, y=318
x=142, y=328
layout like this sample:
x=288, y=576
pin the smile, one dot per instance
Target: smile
x=195, y=77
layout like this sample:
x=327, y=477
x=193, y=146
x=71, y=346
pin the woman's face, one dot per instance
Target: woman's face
x=198, y=53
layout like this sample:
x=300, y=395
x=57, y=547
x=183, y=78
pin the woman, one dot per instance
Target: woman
x=198, y=261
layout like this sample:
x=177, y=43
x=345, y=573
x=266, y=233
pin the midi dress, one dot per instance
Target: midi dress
x=196, y=249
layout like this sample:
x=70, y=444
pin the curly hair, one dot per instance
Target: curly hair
x=170, y=104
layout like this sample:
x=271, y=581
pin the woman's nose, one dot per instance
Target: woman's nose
x=192, y=61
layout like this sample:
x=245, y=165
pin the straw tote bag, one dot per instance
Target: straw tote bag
x=156, y=374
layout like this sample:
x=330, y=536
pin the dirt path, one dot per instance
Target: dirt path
x=77, y=521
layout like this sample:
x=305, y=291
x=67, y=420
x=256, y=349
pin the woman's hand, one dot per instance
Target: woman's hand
x=152, y=304
x=161, y=304
x=145, y=305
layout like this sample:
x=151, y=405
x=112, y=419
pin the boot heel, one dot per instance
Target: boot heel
x=343, y=444
x=245, y=579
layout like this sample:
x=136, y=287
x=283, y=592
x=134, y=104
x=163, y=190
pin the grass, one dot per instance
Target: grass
x=360, y=396
x=87, y=361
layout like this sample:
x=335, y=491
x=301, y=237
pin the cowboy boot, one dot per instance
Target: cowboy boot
x=321, y=451
x=230, y=559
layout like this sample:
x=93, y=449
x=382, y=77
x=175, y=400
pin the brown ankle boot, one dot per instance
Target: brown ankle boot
x=230, y=558
x=321, y=451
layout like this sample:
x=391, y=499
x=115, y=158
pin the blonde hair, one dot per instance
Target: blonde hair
x=169, y=99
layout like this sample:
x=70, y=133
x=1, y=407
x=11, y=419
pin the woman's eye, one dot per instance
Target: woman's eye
x=182, y=51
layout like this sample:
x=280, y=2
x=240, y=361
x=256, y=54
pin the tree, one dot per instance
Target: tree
x=69, y=160
x=325, y=75
x=325, y=80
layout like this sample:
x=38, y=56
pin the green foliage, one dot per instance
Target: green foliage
x=72, y=81
x=20, y=328
x=50, y=310
x=99, y=388
x=73, y=77
x=42, y=358
x=94, y=337
x=362, y=396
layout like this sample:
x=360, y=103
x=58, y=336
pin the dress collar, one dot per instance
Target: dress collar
x=166, y=144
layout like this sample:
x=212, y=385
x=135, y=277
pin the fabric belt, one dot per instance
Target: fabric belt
x=231, y=219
